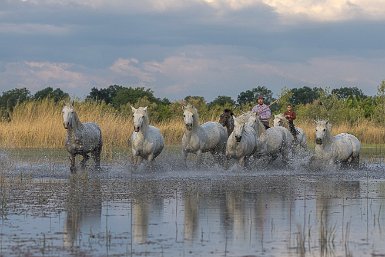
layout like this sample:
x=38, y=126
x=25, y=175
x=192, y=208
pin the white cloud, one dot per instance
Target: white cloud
x=37, y=75
x=180, y=75
x=131, y=68
x=329, y=10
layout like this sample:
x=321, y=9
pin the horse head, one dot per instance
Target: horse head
x=239, y=127
x=279, y=120
x=68, y=113
x=226, y=119
x=139, y=117
x=190, y=115
x=322, y=131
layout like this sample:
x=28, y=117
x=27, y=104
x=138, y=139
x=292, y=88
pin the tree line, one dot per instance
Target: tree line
x=342, y=104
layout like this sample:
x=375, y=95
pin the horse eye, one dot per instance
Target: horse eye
x=324, y=129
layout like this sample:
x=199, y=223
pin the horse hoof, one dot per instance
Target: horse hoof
x=73, y=169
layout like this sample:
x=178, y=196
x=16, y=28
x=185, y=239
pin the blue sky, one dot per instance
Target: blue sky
x=191, y=47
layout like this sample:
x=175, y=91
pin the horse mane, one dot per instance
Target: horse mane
x=261, y=127
x=243, y=118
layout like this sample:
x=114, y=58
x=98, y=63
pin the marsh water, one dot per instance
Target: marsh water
x=170, y=210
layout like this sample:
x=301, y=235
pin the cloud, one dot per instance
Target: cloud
x=38, y=75
x=130, y=68
x=191, y=47
x=329, y=10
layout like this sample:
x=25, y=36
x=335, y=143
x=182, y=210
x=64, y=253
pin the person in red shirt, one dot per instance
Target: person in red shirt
x=290, y=115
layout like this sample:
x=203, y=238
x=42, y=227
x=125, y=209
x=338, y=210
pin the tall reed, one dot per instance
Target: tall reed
x=39, y=124
x=366, y=132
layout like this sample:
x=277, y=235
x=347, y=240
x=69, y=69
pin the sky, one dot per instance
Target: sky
x=180, y=48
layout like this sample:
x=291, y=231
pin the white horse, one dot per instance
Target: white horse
x=208, y=137
x=82, y=138
x=280, y=120
x=342, y=149
x=242, y=142
x=146, y=141
x=271, y=142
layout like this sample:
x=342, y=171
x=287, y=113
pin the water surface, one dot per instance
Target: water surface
x=170, y=210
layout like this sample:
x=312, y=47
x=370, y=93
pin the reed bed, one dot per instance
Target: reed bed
x=366, y=132
x=39, y=125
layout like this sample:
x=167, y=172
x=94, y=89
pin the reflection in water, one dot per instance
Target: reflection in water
x=330, y=198
x=140, y=210
x=235, y=208
x=84, y=207
x=191, y=221
x=248, y=215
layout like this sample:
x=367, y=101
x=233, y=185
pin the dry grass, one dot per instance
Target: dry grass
x=366, y=132
x=39, y=125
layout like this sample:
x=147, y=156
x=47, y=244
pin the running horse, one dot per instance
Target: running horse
x=334, y=151
x=82, y=138
x=280, y=120
x=146, y=141
x=200, y=138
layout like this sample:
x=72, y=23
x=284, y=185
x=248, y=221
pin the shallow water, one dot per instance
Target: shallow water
x=173, y=211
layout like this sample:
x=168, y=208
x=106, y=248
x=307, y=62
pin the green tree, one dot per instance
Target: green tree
x=104, y=94
x=250, y=96
x=125, y=95
x=119, y=95
x=379, y=110
x=48, y=92
x=10, y=99
x=305, y=95
x=348, y=92
x=222, y=101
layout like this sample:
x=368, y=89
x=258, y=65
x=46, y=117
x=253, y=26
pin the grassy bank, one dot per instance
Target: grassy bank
x=39, y=125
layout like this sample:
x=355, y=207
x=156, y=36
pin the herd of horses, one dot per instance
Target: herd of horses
x=240, y=138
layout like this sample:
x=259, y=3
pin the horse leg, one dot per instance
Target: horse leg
x=218, y=158
x=184, y=152
x=247, y=162
x=137, y=160
x=356, y=161
x=199, y=158
x=85, y=159
x=285, y=156
x=96, y=155
x=72, y=160
x=242, y=162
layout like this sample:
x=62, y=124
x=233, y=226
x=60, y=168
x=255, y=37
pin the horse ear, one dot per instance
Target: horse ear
x=132, y=108
x=145, y=108
x=328, y=125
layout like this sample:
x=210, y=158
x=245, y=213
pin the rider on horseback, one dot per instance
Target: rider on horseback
x=290, y=115
x=263, y=111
